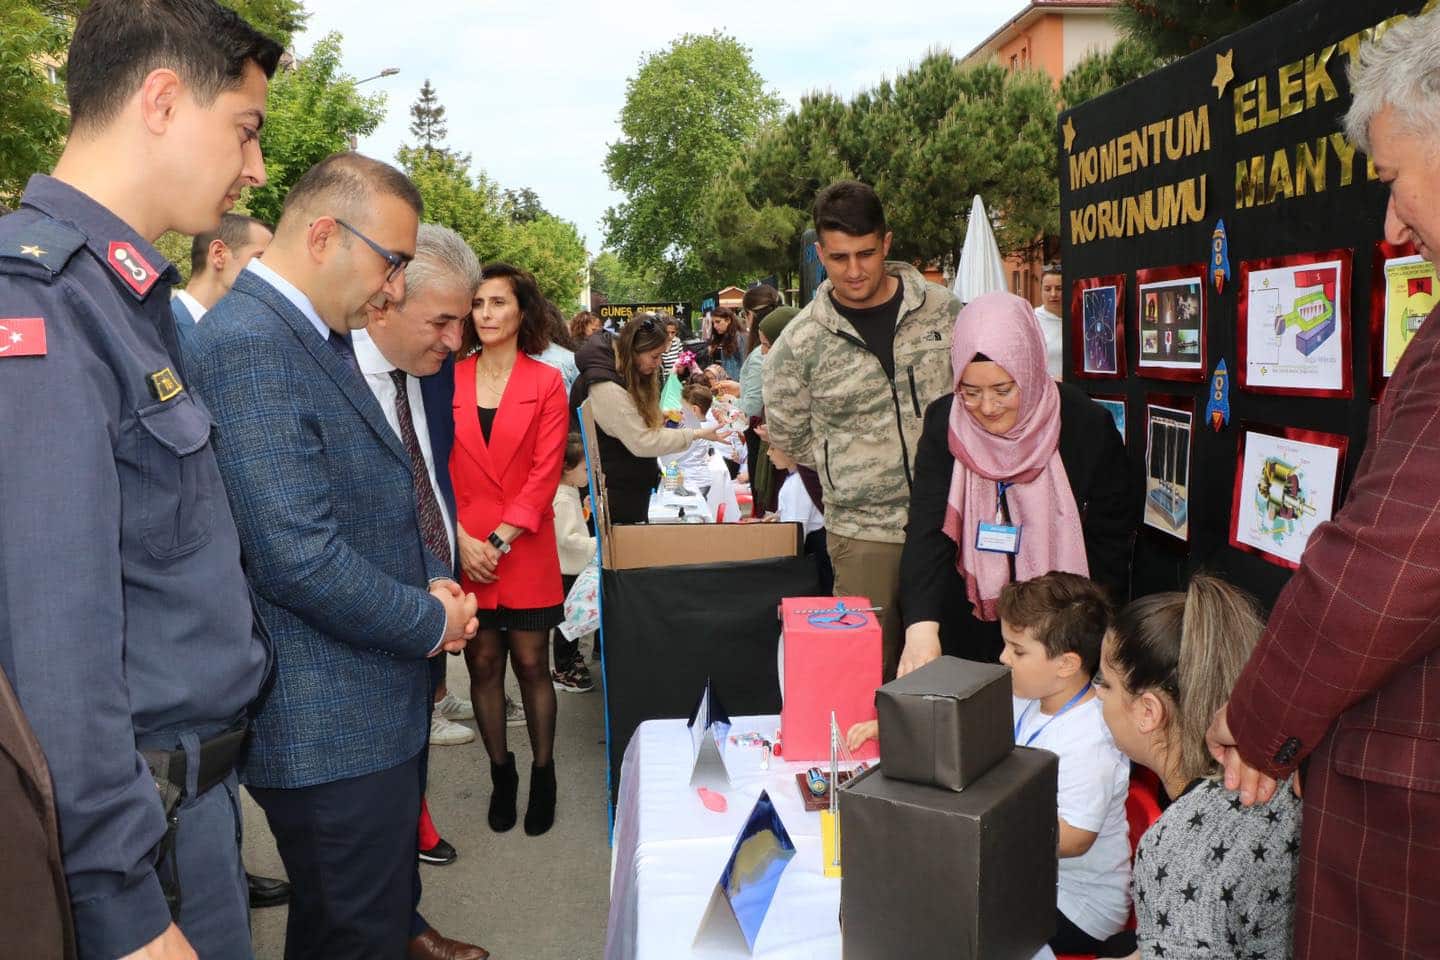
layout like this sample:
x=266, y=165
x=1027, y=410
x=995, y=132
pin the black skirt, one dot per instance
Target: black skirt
x=536, y=618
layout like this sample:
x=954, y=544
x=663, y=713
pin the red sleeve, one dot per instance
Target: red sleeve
x=1365, y=602
x=551, y=429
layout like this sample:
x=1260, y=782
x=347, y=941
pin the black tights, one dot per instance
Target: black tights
x=530, y=656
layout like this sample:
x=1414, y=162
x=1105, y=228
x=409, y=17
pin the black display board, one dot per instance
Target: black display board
x=666, y=630
x=1247, y=131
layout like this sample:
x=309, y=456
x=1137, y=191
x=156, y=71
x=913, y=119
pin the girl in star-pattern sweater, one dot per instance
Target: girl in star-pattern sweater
x=1212, y=878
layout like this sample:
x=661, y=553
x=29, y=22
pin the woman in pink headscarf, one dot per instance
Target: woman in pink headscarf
x=1015, y=476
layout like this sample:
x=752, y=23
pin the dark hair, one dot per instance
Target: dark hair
x=641, y=334
x=1191, y=646
x=531, y=336
x=727, y=343
x=698, y=395
x=556, y=330
x=759, y=301
x=578, y=323
x=233, y=231
x=345, y=184
x=851, y=207
x=117, y=44
x=1068, y=613
x=574, y=451
x=1052, y=269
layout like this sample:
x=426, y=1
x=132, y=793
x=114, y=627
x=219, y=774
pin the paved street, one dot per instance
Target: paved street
x=536, y=898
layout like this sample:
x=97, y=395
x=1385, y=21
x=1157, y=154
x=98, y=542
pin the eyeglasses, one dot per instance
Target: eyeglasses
x=397, y=261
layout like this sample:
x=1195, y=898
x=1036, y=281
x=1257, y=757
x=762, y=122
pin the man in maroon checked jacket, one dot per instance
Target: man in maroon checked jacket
x=1348, y=672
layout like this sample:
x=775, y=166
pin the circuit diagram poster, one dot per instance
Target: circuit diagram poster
x=1295, y=328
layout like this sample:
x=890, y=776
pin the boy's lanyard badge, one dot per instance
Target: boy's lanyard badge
x=1058, y=713
x=1002, y=536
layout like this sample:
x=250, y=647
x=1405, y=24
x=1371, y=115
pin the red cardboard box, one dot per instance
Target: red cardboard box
x=832, y=662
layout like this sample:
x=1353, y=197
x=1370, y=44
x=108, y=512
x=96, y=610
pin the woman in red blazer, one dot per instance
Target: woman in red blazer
x=511, y=423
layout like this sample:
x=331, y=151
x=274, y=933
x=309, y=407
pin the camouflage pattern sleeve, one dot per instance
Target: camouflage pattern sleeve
x=786, y=388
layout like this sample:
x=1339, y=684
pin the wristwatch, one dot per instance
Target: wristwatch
x=499, y=543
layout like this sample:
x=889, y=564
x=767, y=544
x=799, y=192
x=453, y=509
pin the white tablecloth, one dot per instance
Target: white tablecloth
x=669, y=850
x=665, y=507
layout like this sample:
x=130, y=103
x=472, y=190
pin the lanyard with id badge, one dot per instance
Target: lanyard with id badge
x=1002, y=536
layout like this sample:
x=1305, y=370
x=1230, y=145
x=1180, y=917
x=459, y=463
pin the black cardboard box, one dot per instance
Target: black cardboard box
x=947, y=723
x=931, y=873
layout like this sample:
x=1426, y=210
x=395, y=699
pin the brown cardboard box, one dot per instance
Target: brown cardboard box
x=930, y=873
x=947, y=723
x=636, y=546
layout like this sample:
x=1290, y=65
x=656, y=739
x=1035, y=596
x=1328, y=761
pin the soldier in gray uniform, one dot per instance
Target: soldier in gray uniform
x=126, y=626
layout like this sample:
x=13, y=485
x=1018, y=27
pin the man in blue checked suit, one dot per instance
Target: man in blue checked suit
x=332, y=541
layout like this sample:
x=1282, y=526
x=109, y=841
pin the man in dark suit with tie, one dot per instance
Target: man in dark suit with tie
x=216, y=259
x=404, y=352
x=334, y=544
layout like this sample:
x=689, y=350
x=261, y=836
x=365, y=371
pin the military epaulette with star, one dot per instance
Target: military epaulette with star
x=40, y=249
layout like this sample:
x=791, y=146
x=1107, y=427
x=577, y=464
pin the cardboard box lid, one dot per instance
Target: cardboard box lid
x=636, y=546
x=980, y=798
x=948, y=677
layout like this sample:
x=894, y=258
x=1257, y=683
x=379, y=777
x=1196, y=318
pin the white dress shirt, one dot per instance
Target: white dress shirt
x=377, y=377
x=196, y=308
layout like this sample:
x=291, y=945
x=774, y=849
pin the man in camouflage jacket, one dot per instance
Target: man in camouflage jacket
x=846, y=387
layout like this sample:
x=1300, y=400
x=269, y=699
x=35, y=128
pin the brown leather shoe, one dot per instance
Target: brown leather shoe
x=431, y=946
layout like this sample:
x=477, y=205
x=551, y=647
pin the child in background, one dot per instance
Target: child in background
x=577, y=550
x=1053, y=628
x=795, y=506
x=1212, y=876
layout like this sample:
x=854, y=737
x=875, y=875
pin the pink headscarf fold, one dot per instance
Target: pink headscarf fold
x=1003, y=327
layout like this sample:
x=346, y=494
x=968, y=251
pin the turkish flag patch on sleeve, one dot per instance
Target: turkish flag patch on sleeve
x=22, y=337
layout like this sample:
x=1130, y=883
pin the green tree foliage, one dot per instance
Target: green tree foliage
x=314, y=110
x=278, y=19
x=428, y=123
x=1173, y=28
x=523, y=205
x=688, y=110
x=473, y=206
x=927, y=141
x=1098, y=73
x=32, y=117
x=615, y=282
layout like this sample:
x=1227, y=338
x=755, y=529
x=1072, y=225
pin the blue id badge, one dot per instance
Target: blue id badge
x=998, y=538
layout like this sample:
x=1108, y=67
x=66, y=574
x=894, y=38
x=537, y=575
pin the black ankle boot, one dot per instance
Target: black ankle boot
x=506, y=782
x=540, y=811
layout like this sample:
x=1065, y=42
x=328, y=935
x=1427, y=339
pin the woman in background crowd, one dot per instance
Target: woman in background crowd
x=673, y=346
x=559, y=350
x=510, y=430
x=724, y=347
x=1038, y=463
x=621, y=377
x=583, y=326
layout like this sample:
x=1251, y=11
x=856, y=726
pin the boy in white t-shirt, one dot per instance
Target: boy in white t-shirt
x=1053, y=627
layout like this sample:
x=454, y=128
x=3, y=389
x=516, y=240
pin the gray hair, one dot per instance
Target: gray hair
x=441, y=257
x=1401, y=70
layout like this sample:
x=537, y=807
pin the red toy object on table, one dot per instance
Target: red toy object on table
x=832, y=662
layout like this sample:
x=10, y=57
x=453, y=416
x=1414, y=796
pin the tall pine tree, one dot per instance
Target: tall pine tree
x=428, y=125
x=1173, y=28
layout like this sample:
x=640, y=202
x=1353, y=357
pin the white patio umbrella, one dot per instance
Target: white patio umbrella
x=981, y=267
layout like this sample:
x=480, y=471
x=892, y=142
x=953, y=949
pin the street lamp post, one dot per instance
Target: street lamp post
x=387, y=72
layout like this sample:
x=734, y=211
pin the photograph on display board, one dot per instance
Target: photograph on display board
x=1286, y=484
x=1404, y=290
x=1294, y=329
x=1170, y=304
x=1167, y=469
x=1115, y=406
x=1097, y=321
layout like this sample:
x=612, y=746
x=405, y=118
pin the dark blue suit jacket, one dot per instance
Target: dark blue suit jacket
x=322, y=494
x=437, y=392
